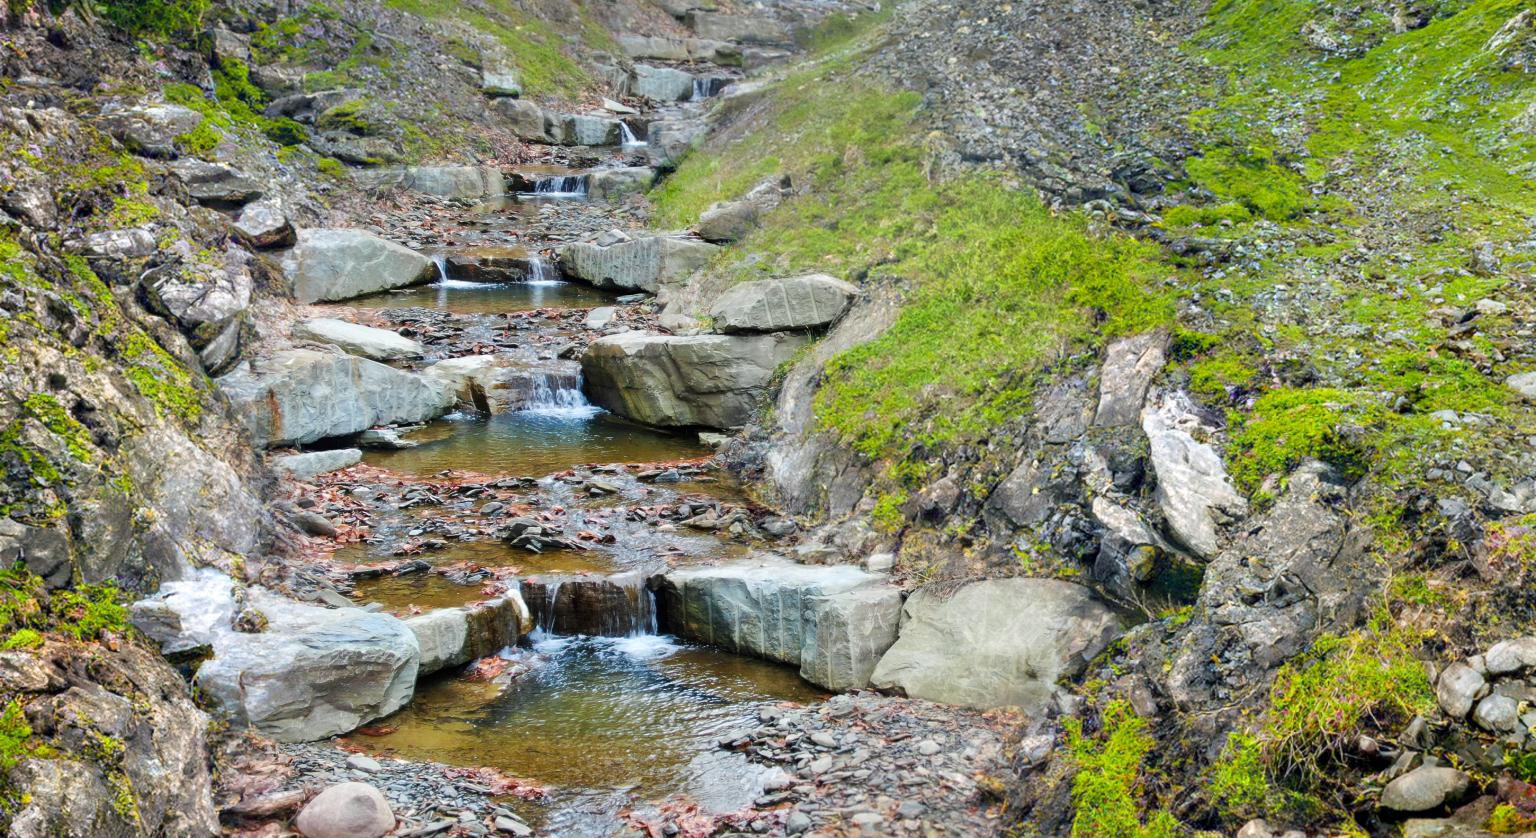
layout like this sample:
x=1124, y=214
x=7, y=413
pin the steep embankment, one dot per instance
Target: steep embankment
x=1325, y=209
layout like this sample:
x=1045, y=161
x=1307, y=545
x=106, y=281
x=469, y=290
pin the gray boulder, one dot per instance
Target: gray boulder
x=1508, y=656
x=588, y=130
x=347, y=810
x=1193, y=490
x=776, y=305
x=833, y=621
x=525, y=119
x=264, y=226
x=299, y=396
x=454, y=636
x=500, y=82
x=654, y=47
x=465, y=182
x=611, y=184
x=703, y=380
x=1523, y=383
x=664, y=84
x=1129, y=366
x=334, y=264
x=316, y=463
x=205, y=298
x=151, y=130
x=730, y=221
x=315, y=672
x=640, y=264
x=995, y=643
x=216, y=185
x=130, y=243
x=355, y=339
x=668, y=141
x=1459, y=687
x=1424, y=789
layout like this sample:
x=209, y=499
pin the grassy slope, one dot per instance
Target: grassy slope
x=995, y=285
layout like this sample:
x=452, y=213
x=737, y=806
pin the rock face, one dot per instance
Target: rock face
x=663, y=84
x=363, y=341
x=746, y=29
x=348, y=810
x=302, y=395
x=315, y=672
x=1129, y=366
x=612, y=184
x=466, y=182
x=833, y=621
x=454, y=636
x=668, y=141
x=703, y=380
x=1192, y=485
x=206, y=301
x=636, y=264
x=585, y=129
x=132, y=695
x=151, y=130
x=730, y=221
x=777, y=305
x=995, y=643
x=500, y=82
x=335, y=264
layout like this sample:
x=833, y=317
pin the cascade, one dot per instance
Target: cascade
x=562, y=186
x=629, y=140
x=559, y=394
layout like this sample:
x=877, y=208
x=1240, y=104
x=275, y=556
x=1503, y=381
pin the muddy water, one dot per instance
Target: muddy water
x=601, y=719
x=533, y=444
x=460, y=297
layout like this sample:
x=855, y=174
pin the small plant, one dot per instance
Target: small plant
x=23, y=639
x=14, y=733
x=1108, y=786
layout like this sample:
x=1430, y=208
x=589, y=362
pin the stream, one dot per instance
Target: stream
x=604, y=723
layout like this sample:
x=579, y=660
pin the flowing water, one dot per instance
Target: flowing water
x=598, y=719
x=602, y=721
x=460, y=297
x=533, y=443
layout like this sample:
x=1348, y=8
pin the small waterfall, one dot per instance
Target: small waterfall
x=558, y=394
x=620, y=605
x=441, y=261
x=541, y=271
x=562, y=186
x=629, y=140
x=705, y=87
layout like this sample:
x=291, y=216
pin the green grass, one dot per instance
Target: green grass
x=1108, y=786
x=995, y=285
x=534, y=46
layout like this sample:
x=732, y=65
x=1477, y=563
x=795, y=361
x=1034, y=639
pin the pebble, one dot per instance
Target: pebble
x=364, y=763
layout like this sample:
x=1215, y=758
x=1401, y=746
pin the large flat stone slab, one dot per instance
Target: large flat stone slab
x=455, y=636
x=834, y=622
x=995, y=643
x=314, y=673
x=640, y=264
x=701, y=380
x=355, y=339
x=339, y=264
x=298, y=396
x=775, y=305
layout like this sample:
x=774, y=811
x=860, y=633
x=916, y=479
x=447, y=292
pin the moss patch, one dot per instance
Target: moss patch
x=1109, y=785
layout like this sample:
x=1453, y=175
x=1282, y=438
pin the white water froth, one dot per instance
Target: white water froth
x=205, y=601
x=628, y=138
x=558, y=402
x=646, y=647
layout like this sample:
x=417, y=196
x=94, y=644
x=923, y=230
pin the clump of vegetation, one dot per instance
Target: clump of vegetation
x=157, y=375
x=155, y=18
x=1344, y=686
x=1289, y=425
x=1254, y=182
x=15, y=734
x=1109, y=785
x=84, y=612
